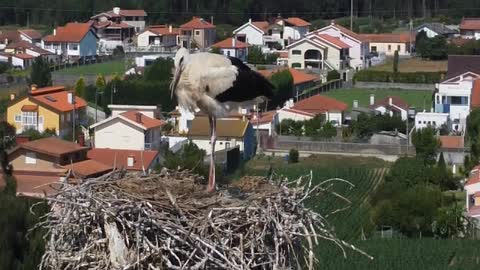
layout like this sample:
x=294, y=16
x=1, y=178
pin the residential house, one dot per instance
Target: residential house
x=37, y=164
x=453, y=150
x=197, y=33
x=432, y=119
x=453, y=95
x=159, y=36
x=472, y=188
x=7, y=37
x=389, y=43
x=321, y=52
x=470, y=28
x=133, y=17
x=332, y=109
x=46, y=108
x=112, y=34
x=265, y=122
x=233, y=47
x=130, y=160
x=301, y=80
x=230, y=133
x=74, y=41
x=129, y=128
x=282, y=59
x=30, y=35
x=436, y=29
x=391, y=105
x=252, y=32
x=294, y=28
x=22, y=53
x=22, y=60
x=359, y=48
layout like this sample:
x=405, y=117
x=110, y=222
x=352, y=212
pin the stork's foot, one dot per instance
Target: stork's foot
x=211, y=180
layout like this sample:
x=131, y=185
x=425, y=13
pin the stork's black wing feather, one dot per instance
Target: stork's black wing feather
x=248, y=85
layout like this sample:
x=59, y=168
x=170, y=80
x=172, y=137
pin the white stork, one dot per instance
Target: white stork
x=216, y=84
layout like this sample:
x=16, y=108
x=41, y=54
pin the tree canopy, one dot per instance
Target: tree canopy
x=283, y=82
x=40, y=75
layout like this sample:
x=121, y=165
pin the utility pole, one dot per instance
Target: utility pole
x=113, y=91
x=96, y=101
x=351, y=15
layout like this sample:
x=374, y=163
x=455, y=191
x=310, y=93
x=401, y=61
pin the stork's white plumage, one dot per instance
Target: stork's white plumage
x=216, y=84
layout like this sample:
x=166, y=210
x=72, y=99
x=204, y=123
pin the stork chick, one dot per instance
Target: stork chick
x=216, y=84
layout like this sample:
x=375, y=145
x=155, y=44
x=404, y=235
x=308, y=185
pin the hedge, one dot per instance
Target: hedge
x=398, y=77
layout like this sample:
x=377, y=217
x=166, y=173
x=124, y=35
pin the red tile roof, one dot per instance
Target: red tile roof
x=298, y=112
x=163, y=31
x=19, y=44
x=295, y=21
x=452, y=142
x=31, y=33
x=146, y=121
x=36, y=185
x=47, y=89
x=262, y=25
x=228, y=44
x=59, y=101
x=264, y=117
x=118, y=158
x=197, y=23
x=52, y=146
x=385, y=102
x=11, y=36
x=459, y=42
x=320, y=104
x=389, y=38
x=474, y=177
x=122, y=25
x=470, y=24
x=334, y=41
x=475, y=102
x=23, y=56
x=298, y=76
x=88, y=168
x=71, y=32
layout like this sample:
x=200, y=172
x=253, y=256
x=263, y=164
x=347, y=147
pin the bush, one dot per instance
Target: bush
x=398, y=77
x=333, y=75
x=293, y=156
x=4, y=67
x=118, y=51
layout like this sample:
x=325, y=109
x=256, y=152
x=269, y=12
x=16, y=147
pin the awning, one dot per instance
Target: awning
x=29, y=108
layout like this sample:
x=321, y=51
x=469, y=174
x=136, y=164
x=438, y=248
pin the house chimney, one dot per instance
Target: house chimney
x=6, y=41
x=250, y=20
x=12, y=96
x=355, y=103
x=170, y=29
x=372, y=99
x=130, y=161
x=332, y=22
x=234, y=42
x=54, y=31
x=390, y=101
x=116, y=10
x=138, y=117
x=211, y=19
x=33, y=88
x=70, y=98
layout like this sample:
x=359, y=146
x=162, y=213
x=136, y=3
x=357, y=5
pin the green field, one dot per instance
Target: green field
x=418, y=99
x=354, y=223
x=106, y=69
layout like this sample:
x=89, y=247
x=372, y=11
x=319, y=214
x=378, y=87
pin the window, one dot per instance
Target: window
x=296, y=65
x=18, y=118
x=68, y=117
x=434, y=123
x=389, y=47
x=419, y=122
x=374, y=49
x=29, y=120
x=459, y=100
x=197, y=32
x=74, y=47
x=30, y=158
x=398, y=48
x=296, y=52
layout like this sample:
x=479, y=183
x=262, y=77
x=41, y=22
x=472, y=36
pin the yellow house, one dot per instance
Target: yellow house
x=45, y=108
x=389, y=43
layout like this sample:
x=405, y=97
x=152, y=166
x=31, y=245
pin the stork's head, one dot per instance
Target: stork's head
x=180, y=60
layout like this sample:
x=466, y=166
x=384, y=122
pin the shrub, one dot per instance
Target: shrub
x=395, y=62
x=398, y=77
x=118, y=51
x=333, y=75
x=293, y=156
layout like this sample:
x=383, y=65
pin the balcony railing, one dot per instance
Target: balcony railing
x=148, y=146
x=442, y=108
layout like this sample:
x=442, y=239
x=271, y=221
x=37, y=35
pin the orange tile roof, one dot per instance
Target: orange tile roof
x=405, y=37
x=262, y=25
x=320, y=104
x=348, y=32
x=298, y=76
x=36, y=185
x=475, y=102
x=11, y=36
x=118, y=158
x=298, y=112
x=197, y=23
x=263, y=117
x=31, y=33
x=228, y=44
x=163, y=31
x=29, y=108
x=122, y=25
x=474, y=177
x=47, y=89
x=52, y=146
x=334, y=40
x=71, y=32
x=470, y=24
x=146, y=121
x=295, y=21
x=88, y=168
x=452, y=142
x=23, y=56
x=59, y=101
x=19, y=44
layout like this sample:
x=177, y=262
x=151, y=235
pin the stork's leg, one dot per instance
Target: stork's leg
x=213, y=139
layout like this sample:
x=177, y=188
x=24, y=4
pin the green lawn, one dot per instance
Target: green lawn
x=106, y=68
x=418, y=99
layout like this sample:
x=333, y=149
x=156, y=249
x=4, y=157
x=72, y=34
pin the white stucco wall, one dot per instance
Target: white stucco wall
x=219, y=145
x=384, y=48
x=423, y=119
x=283, y=114
x=300, y=58
x=252, y=35
x=335, y=117
x=17, y=62
x=295, y=33
x=462, y=88
x=118, y=134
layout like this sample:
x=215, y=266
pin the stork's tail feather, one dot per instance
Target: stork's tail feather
x=264, y=86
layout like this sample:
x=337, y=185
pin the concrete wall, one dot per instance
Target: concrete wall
x=118, y=134
x=390, y=48
x=219, y=145
x=382, y=85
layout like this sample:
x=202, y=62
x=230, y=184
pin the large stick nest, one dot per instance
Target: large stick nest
x=169, y=221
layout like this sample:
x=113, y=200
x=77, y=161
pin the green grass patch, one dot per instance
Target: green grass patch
x=418, y=99
x=106, y=69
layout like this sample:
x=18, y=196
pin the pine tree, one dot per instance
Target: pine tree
x=395, y=62
x=80, y=88
x=441, y=162
x=40, y=75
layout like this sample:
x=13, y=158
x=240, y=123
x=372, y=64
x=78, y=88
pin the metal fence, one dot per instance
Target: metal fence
x=325, y=87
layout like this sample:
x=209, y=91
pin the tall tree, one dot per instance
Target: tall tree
x=426, y=145
x=395, y=61
x=40, y=74
x=283, y=82
x=80, y=88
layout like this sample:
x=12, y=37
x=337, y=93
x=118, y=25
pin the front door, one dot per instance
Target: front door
x=40, y=123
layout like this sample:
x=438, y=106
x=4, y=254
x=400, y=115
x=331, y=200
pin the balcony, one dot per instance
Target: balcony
x=148, y=146
x=442, y=108
x=270, y=39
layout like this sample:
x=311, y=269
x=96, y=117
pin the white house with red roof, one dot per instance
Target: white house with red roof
x=233, y=47
x=158, y=36
x=197, y=32
x=22, y=60
x=132, y=17
x=472, y=188
x=265, y=121
x=470, y=28
x=359, y=47
x=321, y=52
x=129, y=127
x=72, y=41
x=391, y=105
x=252, y=32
